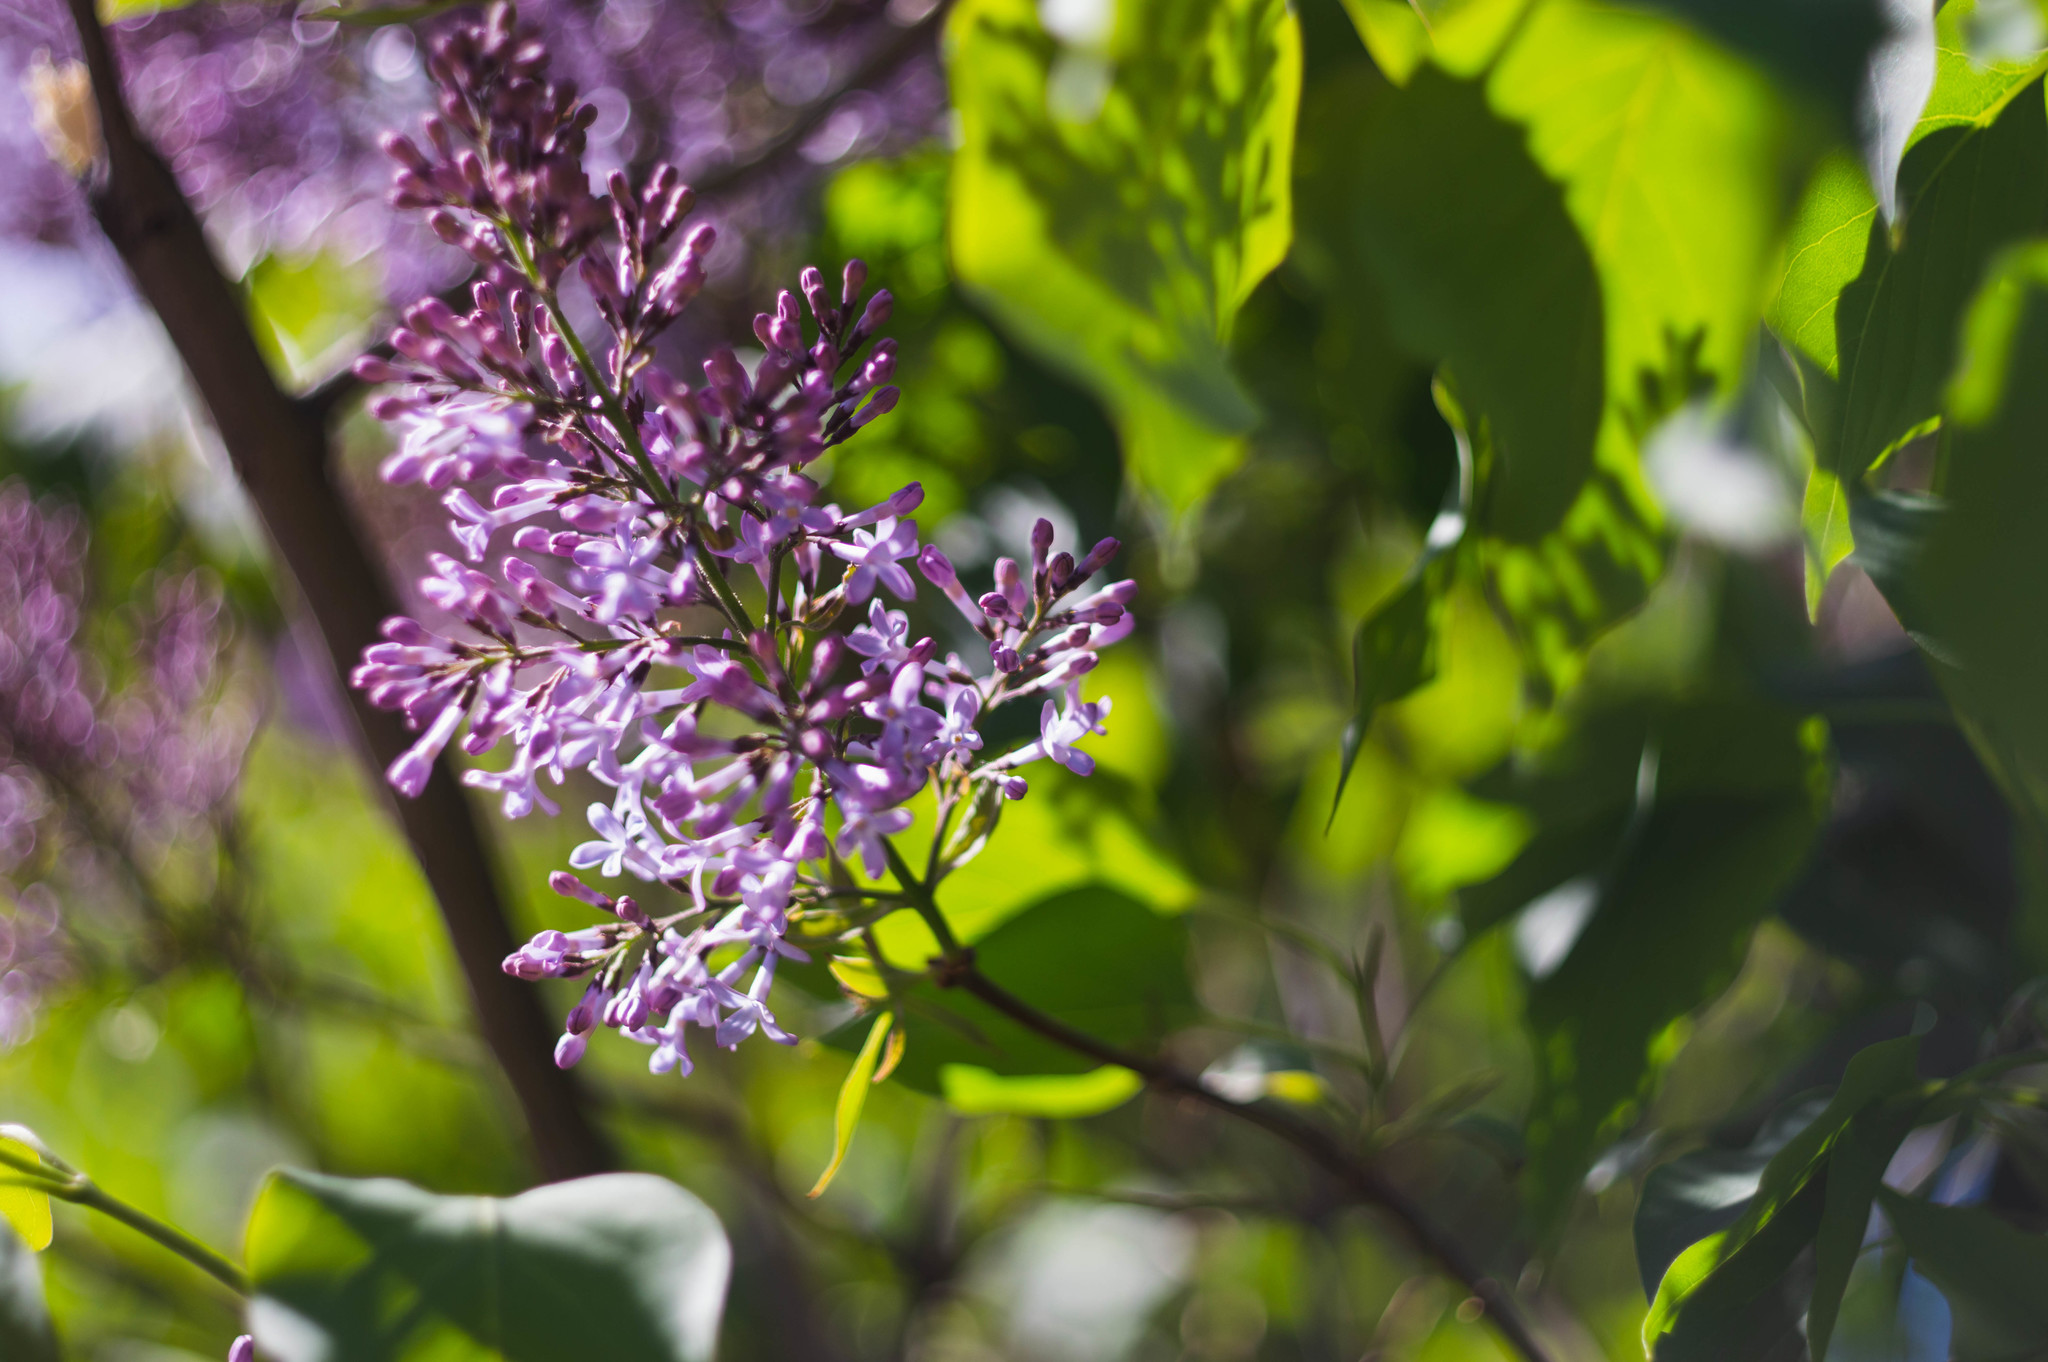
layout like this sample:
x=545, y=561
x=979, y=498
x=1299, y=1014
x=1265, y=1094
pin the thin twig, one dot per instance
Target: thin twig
x=955, y=968
x=58, y=1180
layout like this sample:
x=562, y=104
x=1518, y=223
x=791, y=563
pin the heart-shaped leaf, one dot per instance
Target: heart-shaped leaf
x=622, y=1265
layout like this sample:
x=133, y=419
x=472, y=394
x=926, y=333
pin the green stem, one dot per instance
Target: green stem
x=728, y=599
x=80, y=1190
x=614, y=410
x=920, y=896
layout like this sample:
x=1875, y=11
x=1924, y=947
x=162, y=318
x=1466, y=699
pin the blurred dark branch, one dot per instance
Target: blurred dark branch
x=279, y=447
x=1358, y=1177
x=335, y=391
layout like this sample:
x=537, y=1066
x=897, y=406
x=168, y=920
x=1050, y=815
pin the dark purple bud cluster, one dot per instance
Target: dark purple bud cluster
x=605, y=643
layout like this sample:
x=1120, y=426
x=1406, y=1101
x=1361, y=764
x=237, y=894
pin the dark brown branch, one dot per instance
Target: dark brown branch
x=279, y=447
x=1356, y=1176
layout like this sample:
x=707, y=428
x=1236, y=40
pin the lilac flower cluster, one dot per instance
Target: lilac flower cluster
x=756, y=751
x=85, y=765
x=271, y=118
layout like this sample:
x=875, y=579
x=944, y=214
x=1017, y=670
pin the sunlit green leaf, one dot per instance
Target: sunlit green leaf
x=1824, y=523
x=1674, y=158
x=1824, y=251
x=1482, y=268
x=1116, y=197
x=24, y=1208
x=974, y=1091
x=1459, y=35
x=1968, y=91
x=853, y=1095
x=621, y=1265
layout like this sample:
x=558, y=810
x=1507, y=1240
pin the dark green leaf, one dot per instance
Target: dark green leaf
x=1094, y=957
x=1823, y=46
x=25, y=1334
x=1968, y=192
x=1393, y=654
x=1483, y=269
x=622, y=1265
x=1968, y=574
x=1994, y=1274
x=1117, y=196
x=1687, y=841
x=1856, y=1163
x=1726, y=1290
x=1707, y=1190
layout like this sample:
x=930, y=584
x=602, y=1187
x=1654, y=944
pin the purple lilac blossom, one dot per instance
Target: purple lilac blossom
x=750, y=761
x=271, y=120
x=81, y=762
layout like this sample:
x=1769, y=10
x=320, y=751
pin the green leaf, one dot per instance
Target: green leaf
x=1117, y=196
x=1461, y=36
x=1674, y=157
x=1482, y=269
x=1968, y=192
x=1968, y=92
x=853, y=1095
x=1715, y=815
x=1824, y=522
x=974, y=1091
x=1824, y=252
x=1093, y=957
x=25, y=1333
x=1994, y=1274
x=1857, y=1159
x=1703, y=1192
x=1821, y=46
x=1395, y=650
x=1720, y=1293
x=1967, y=574
x=306, y=309
x=621, y=1265
x=24, y=1208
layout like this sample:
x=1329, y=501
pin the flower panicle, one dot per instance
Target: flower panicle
x=604, y=511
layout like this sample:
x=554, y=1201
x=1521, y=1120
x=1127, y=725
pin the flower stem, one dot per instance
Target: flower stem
x=66, y=1184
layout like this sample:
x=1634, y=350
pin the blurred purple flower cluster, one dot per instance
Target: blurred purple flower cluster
x=271, y=119
x=755, y=752
x=87, y=766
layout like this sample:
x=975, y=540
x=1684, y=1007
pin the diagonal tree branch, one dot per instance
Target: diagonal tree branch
x=1358, y=1177
x=279, y=447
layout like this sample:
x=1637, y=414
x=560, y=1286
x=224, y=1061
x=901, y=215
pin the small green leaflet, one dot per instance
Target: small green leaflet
x=853, y=1095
